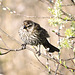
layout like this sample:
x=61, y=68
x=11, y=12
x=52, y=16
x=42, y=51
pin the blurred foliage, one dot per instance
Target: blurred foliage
x=56, y=12
x=69, y=32
x=66, y=43
x=57, y=20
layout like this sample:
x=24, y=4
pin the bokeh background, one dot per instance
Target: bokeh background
x=24, y=62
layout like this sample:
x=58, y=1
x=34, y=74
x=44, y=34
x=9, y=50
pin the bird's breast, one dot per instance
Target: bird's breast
x=29, y=37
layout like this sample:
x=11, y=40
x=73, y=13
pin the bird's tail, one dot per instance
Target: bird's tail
x=52, y=48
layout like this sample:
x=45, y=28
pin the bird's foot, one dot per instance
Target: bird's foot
x=50, y=54
x=23, y=46
x=38, y=52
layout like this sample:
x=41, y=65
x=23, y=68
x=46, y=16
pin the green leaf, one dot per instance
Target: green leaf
x=65, y=66
x=65, y=43
x=66, y=18
x=49, y=69
x=55, y=21
x=46, y=66
x=72, y=70
x=0, y=53
x=53, y=31
x=69, y=32
x=64, y=63
x=8, y=8
x=60, y=61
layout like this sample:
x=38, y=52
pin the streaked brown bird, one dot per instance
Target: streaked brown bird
x=33, y=34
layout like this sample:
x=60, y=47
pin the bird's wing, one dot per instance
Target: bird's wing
x=42, y=32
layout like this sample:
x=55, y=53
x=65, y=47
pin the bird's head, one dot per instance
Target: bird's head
x=28, y=24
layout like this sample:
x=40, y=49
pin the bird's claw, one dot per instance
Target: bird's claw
x=23, y=46
x=38, y=52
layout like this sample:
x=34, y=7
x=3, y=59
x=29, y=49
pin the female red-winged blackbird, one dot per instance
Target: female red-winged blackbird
x=31, y=33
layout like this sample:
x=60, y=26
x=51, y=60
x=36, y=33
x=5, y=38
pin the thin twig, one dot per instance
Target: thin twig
x=5, y=53
x=45, y=65
x=56, y=69
x=67, y=5
x=69, y=15
x=67, y=59
x=9, y=36
x=71, y=37
x=64, y=66
x=59, y=45
x=18, y=14
x=54, y=3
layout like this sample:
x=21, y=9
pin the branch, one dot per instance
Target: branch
x=57, y=61
x=67, y=59
x=9, y=50
x=56, y=69
x=58, y=53
x=45, y=56
x=52, y=3
x=71, y=37
x=64, y=65
x=67, y=5
x=70, y=16
x=45, y=65
x=4, y=53
x=65, y=20
x=18, y=14
x=9, y=36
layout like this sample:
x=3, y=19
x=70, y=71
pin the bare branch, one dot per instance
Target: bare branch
x=45, y=56
x=9, y=36
x=67, y=5
x=69, y=15
x=4, y=53
x=71, y=37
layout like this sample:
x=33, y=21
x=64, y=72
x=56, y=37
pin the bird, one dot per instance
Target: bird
x=33, y=34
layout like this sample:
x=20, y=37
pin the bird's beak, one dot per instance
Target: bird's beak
x=25, y=27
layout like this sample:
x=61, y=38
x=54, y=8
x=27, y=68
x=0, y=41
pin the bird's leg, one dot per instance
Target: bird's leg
x=23, y=46
x=38, y=52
